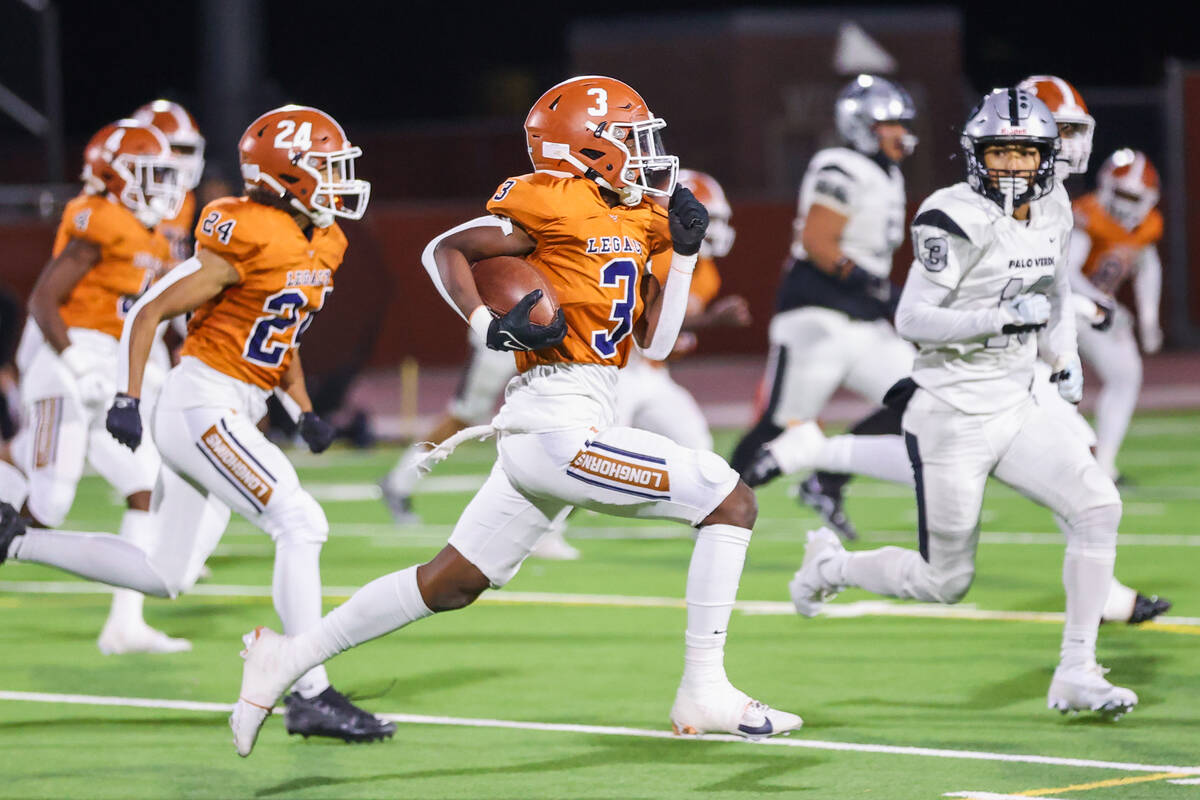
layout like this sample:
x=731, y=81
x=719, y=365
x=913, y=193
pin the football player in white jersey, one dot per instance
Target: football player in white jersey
x=832, y=323
x=989, y=272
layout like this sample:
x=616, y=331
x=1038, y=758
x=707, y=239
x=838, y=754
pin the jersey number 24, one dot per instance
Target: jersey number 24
x=273, y=335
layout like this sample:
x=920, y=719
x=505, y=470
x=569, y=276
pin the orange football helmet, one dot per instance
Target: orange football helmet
x=132, y=161
x=302, y=154
x=1065, y=102
x=182, y=133
x=718, y=239
x=600, y=129
x=1127, y=187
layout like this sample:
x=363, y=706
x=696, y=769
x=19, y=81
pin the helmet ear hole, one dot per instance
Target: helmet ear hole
x=593, y=154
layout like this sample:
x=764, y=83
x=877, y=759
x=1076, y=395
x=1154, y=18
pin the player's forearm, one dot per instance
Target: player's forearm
x=141, y=323
x=455, y=273
x=1147, y=288
x=921, y=318
x=294, y=388
x=45, y=313
x=671, y=307
x=1060, y=330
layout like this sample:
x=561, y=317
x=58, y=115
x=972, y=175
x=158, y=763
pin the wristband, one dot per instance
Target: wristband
x=480, y=320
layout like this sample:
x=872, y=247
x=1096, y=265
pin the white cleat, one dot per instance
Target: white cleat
x=553, y=546
x=797, y=448
x=267, y=673
x=809, y=588
x=1085, y=688
x=728, y=710
x=116, y=640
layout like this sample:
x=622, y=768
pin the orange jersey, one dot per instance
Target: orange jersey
x=179, y=230
x=1115, y=249
x=131, y=258
x=592, y=255
x=249, y=330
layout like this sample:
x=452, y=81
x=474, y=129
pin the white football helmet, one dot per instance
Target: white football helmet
x=1127, y=187
x=1065, y=102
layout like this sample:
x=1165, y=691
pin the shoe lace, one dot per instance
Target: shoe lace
x=756, y=708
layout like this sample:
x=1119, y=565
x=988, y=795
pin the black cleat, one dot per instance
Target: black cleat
x=12, y=525
x=828, y=504
x=763, y=468
x=1147, y=608
x=332, y=714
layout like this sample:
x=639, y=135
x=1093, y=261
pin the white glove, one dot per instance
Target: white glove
x=95, y=387
x=1026, y=313
x=1152, y=339
x=1069, y=377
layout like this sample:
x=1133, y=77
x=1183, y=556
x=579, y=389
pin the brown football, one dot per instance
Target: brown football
x=503, y=280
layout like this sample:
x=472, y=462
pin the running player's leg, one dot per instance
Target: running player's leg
x=1052, y=467
x=951, y=456
x=807, y=364
x=1114, y=356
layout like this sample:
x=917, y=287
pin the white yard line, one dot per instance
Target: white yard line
x=864, y=608
x=607, y=730
x=995, y=796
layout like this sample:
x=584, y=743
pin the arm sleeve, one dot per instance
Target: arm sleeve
x=1060, y=330
x=1078, y=248
x=674, y=307
x=1147, y=287
x=921, y=317
x=431, y=265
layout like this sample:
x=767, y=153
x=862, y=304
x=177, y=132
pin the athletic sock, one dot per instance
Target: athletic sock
x=296, y=590
x=881, y=422
x=137, y=528
x=382, y=606
x=712, y=584
x=96, y=556
x=884, y=457
x=1087, y=578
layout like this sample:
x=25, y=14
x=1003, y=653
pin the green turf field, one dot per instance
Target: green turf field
x=598, y=643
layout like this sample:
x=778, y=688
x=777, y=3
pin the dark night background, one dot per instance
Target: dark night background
x=376, y=63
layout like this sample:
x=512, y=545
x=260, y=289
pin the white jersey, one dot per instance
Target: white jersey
x=868, y=192
x=965, y=243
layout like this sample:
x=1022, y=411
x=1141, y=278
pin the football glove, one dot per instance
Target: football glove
x=124, y=420
x=1028, y=312
x=93, y=384
x=1070, y=380
x=688, y=220
x=515, y=331
x=1106, y=313
x=316, y=432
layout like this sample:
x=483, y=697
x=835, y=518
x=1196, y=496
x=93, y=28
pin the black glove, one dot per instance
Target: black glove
x=124, y=421
x=514, y=331
x=1107, y=314
x=316, y=432
x=689, y=221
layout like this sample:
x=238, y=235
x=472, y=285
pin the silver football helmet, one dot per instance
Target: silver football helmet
x=869, y=99
x=1010, y=116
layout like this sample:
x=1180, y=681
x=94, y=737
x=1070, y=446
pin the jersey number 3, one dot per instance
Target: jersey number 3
x=621, y=273
x=272, y=336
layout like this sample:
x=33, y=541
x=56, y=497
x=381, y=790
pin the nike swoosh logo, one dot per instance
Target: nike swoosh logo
x=766, y=729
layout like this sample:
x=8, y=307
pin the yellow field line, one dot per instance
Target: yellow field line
x=1083, y=787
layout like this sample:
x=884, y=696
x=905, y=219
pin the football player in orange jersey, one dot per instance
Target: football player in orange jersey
x=583, y=218
x=647, y=397
x=106, y=253
x=182, y=133
x=1117, y=228
x=264, y=265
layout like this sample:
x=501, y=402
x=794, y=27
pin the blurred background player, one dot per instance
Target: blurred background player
x=182, y=133
x=647, y=397
x=585, y=220
x=832, y=322
x=264, y=265
x=107, y=252
x=1117, y=228
x=969, y=412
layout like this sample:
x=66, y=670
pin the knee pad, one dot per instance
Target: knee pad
x=1093, y=531
x=952, y=586
x=297, y=517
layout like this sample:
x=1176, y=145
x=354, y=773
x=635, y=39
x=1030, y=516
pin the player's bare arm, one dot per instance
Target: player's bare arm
x=292, y=383
x=54, y=286
x=205, y=280
x=822, y=238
